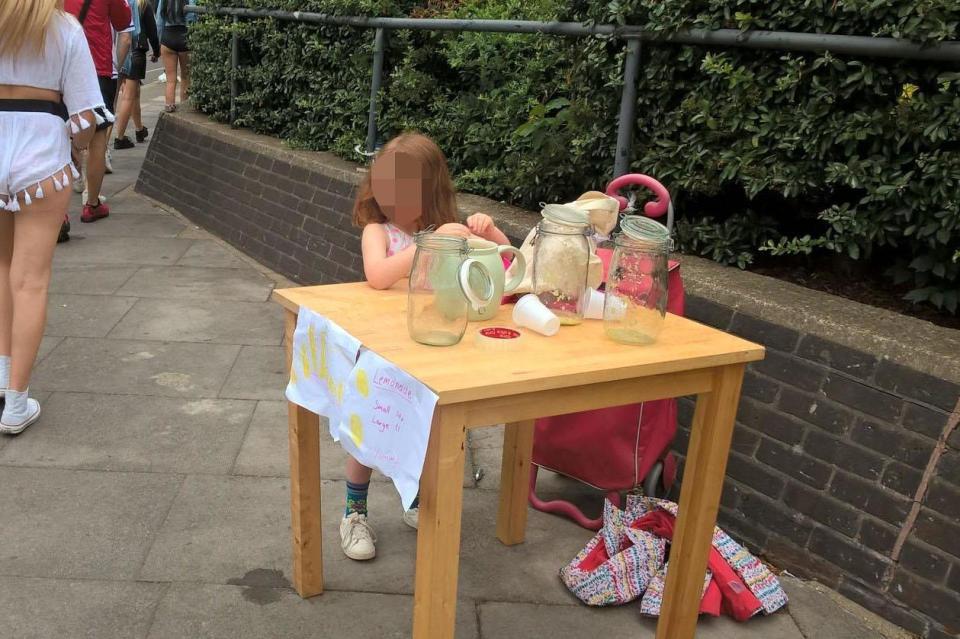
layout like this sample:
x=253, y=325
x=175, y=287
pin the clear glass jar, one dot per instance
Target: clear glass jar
x=561, y=263
x=635, y=302
x=443, y=282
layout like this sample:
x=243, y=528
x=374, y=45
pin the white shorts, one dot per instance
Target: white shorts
x=33, y=147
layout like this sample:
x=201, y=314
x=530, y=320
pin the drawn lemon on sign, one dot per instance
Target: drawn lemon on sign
x=363, y=386
x=304, y=361
x=312, y=341
x=324, y=371
x=356, y=429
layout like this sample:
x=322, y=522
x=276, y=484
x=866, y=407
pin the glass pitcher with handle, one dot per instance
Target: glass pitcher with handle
x=444, y=284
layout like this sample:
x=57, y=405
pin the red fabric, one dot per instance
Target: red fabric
x=738, y=601
x=102, y=15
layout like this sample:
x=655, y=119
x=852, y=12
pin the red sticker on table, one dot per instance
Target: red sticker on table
x=499, y=332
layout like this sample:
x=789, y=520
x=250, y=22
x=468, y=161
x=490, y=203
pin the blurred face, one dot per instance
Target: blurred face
x=399, y=187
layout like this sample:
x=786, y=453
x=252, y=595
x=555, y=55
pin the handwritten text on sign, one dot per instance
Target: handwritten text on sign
x=386, y=422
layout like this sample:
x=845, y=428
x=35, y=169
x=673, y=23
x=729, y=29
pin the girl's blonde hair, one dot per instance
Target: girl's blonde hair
x=440, y=203
x=23, y=25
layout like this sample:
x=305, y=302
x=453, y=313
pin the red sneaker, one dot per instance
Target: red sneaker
x=93, y=213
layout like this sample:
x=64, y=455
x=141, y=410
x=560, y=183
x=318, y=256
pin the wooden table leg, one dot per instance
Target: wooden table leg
x=515, y=482
x=304, y=435
x=438, y=538
x=702, y=484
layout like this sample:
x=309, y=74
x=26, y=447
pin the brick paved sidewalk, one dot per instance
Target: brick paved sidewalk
x=151, y=500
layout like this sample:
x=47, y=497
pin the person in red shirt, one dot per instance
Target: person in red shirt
x=100, y=18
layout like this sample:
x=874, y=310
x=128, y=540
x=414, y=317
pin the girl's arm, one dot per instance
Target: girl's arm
x=381, y=271
x=482, y=225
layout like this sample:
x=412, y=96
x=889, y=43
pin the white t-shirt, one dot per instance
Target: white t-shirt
x=66, y=66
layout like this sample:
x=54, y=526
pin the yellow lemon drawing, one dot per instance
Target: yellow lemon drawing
x=324, y=371
x=304, y=361
x=340, y=393
x=331, y=387
x=356, y=429
x=312, y=341
x=363, y=386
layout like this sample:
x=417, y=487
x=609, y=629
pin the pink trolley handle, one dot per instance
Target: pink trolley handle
x=662, y=204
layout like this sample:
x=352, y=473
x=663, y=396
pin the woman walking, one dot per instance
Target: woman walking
x=172, y=26
x=48, y=90
x=133, y=72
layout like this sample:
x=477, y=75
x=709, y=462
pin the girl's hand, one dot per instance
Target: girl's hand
x=453, y=228
x=481, y=224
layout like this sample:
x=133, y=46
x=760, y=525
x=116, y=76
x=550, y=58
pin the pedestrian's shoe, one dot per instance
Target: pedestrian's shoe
x=124, y=143
x=412, y=517
x=142, y=134
x=14, y=425
x=108, y=163
x=356, y=537
x=64, y=230
x=93, y=213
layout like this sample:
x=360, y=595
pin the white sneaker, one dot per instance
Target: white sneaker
x=108, y=163
x=412, y=517
x=78, y=184
x=33, y=414
x=162, y=77
x=356, y=538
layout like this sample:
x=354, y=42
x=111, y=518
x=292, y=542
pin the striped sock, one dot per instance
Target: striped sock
x=357, y=498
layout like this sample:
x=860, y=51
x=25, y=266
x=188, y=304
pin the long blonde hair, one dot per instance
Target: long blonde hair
x=23, y=25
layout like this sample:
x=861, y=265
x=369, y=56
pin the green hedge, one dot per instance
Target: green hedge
x=781, y=153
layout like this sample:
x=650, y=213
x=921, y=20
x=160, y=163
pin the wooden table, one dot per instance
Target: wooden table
x=579, y=369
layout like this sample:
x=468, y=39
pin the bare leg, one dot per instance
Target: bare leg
x=356, y=472
x=184, y=59
x=170, y=68
x=34, y=238
x=136, y=114
x=6, y=300
x=96, y=165
x=125, y=108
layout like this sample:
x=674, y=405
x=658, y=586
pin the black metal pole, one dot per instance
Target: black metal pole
x=379, y=47
x=628, y=108
x=779, y=40
x=234, y=70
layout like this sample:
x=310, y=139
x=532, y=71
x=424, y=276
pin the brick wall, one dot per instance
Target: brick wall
x=831, y=440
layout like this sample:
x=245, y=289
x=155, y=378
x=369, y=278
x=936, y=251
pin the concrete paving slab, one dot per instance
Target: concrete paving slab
x=510, y=620
x=195, y=233
x=47, y=608
x=127, y=432
x=47, y=344
x=88, y=279
x=79, y=524
x=85, y=315
x=821, y=612
x=126, y=201
x=222, y=528
x=265, y=450
x=202, y=321
x=151, y=251
x=127, y=367
x=121, y=224
x=235, y=612
x=211, y=254
x=260, y=373
x=187, y=282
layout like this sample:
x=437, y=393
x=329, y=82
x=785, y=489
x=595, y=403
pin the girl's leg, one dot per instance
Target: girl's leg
x=6, y=301
x=125, y=107
x=184, y=59
x=358, y=483
x=34, y=238
x=136, y=114
x=170, y=68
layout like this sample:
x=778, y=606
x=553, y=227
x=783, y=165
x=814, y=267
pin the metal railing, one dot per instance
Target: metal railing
x=634, y=36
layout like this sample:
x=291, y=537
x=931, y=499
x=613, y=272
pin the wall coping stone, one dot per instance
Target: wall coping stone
x=904, y=340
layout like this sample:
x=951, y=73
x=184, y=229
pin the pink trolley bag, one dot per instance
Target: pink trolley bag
x=621, y=448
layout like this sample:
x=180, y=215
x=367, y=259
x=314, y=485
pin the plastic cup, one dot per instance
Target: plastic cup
x=593, y=306
x=530, y=312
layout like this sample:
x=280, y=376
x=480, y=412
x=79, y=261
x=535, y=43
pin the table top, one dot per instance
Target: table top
x=576, y=356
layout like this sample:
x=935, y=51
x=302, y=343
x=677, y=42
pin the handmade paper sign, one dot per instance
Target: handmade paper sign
x=386, y=422
x=323, y=356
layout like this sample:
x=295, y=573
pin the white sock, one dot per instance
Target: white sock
x=17, y=408
x=4, y=371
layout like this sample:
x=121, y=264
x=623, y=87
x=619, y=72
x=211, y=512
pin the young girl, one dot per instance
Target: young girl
x=408, y=189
